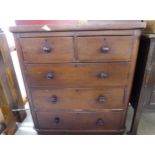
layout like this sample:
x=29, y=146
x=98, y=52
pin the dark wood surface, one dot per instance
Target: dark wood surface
x=96, y=25
x=77, y=74
x=80, y=121
x=61, y=49
x=35, y=50
x=76, y=82
x=104, y=48
x=10, y=83
x=81, y=99
x=142, y=96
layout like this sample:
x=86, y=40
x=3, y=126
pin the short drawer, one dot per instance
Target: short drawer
x=44, y=50
x=78, y=99
x=77, y=74
x=105, y=48
x=80, y=121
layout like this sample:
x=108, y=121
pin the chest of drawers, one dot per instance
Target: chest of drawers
x=79, y=77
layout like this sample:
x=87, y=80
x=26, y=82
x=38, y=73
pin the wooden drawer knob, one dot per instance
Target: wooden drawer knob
x=103, y=75
x=100, y=122
x=54, y=99
x=105, y=49
x=46, y=49
x=50, y=76
x=56, y=121
x=101, y=99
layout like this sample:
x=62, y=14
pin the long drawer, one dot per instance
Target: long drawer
x=78, y=99
x=77, y=74
x=80, y=121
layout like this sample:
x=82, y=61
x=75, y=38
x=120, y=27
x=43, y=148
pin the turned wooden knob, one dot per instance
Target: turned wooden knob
x=101, y=99
x=50, y=76
x=100, y=122
x=46, y=49
x=56, y=121
x=103, y=75
x=54, y=99
x=105, y=49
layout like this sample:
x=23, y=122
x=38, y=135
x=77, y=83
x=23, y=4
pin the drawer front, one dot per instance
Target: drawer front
x=44, y=50
x=77, y=99
x=105, y=48
x=80, y=121
x=78, y=75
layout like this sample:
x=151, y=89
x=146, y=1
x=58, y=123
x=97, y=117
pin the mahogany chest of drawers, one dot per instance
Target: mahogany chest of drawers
x=79, y=77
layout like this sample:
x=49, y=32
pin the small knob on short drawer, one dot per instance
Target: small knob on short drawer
x=100, y=122
x=101, y=99
x=56, y=121
x=105, y=49
x=50, y=75
x=46, y=49
x=54, y=99
x=103, y=75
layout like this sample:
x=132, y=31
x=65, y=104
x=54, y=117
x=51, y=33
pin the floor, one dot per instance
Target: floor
x=146, y=126
x=26, y=127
